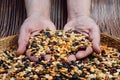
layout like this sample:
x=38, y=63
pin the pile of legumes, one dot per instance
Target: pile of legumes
x=103, y=66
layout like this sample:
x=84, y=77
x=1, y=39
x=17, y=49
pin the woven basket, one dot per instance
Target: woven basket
x=11, y=41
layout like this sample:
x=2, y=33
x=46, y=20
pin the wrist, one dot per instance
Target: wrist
x=73, y=16
x=38, y=15
x=38, y=7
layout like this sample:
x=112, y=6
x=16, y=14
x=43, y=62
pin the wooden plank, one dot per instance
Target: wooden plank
x=12, y=14
x=105, y=12
x=107, y=15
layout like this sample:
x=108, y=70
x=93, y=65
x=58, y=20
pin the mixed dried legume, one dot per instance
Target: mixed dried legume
x=104, y=66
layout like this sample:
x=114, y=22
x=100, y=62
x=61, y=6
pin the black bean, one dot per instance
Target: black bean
x=66, y=65
x=45, y=66
x=1, y=62
x=75, y=44
x=24, y=59
x=68, y=35
x=5, y=66
x=48, y=34
x=94, y=79
x=76, y=32
x=81, y=67
x=22, y=69
x=80, y=61
x=83, y=40
x=91, y=57
x=33, y=53
x=73, y=63
x=11, y=58
x=9, y=64
x=54, y=43
x=26, y=75
x=75, y=76
x=34, y=45
x=83, y=75
x=69, y=69
x=107, y=67
x=63, y=76
x=58, y=78
x=34, y=73
x=115, y=54
x=28, y=72
x=38, y=62
x=40, y=59
x=47, y=53
x=7, y=53
x=113, y=78
x=42, y=44
x=26, y=64
x=59, y=66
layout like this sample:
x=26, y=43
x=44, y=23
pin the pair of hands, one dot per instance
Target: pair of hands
x=34, y=24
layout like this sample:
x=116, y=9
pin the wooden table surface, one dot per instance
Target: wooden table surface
x=105, y=12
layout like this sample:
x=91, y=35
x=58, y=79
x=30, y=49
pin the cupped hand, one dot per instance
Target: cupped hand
x=87, y=26
x=32, y=26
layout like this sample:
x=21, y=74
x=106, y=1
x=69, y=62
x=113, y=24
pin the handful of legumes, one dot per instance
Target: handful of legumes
x=48, y=44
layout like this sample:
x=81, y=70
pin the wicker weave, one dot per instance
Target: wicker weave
x=8, y=42
x=11, y=41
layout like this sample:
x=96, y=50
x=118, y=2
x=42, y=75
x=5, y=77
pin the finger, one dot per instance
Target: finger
x=35, y=33
x=68, y=26
x=82, y=54
x=51, y=26
x=22, y=42
x=84, y=31
x=95, y=37
x=32, y=58
x=85, y=34
x=71, y=57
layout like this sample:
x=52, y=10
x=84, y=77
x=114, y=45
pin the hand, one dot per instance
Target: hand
x=88, y=27
x=31, y=26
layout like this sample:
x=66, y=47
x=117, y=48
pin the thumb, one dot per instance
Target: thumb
x=95, y=37
x=96, y=46
x=23, y=41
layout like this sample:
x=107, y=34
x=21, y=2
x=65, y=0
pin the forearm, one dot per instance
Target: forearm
x=78, y=8
x=38, y=7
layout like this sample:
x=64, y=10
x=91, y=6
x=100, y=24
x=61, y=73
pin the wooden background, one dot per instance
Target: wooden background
x=105, y=12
